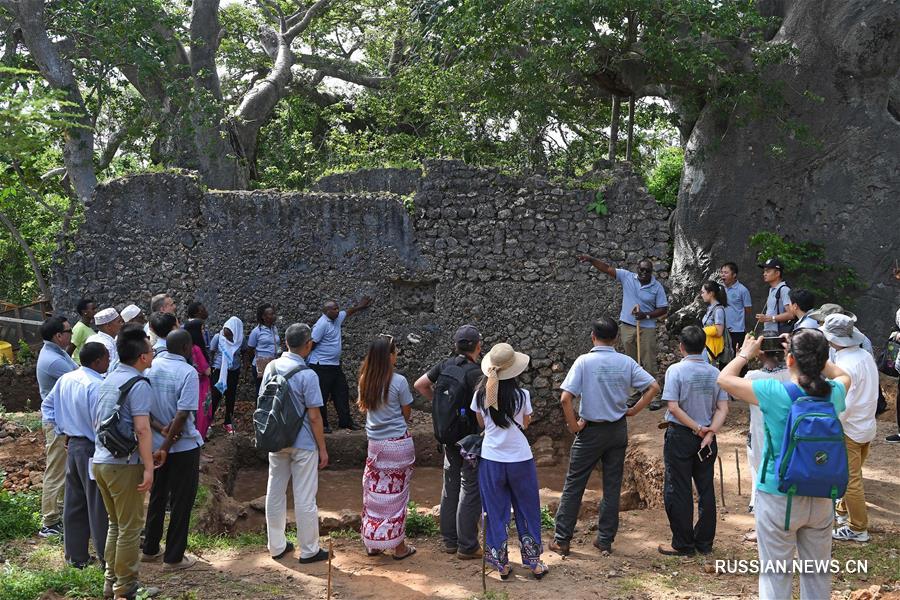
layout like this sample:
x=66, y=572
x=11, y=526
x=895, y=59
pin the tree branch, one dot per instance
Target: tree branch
x=32, y=192
x=311, y=13
x=341, y=69
x=26, y=247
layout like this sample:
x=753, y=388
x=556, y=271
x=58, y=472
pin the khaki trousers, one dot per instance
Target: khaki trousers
x=54, y=485
x=125, y=505
x=854, y=501
x=628, y=335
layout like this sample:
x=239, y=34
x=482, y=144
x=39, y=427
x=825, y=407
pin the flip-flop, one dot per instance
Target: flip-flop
x=374, y=552
x=410, y=550
x=544, y=570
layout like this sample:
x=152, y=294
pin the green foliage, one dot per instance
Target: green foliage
x=665, y=178
x=419, y=524
x=491, y=595
x=20, y=514
x=17, y=583
x=24, y=353
x=805, y=267
x=598, y=206
x=548, y=521
x=198, y=541
x=345, y=534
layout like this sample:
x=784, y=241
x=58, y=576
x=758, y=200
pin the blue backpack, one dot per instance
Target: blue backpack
x=813, y=458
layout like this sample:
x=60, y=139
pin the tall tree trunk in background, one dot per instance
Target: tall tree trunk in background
x=614, y=129
x=35, y=267
x=629, y=144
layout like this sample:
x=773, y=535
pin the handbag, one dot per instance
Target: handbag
x=888, y=358
x=470, y=446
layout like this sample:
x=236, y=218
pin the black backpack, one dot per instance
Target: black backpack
x=276, y=421
x=452, y=396
x=787, y=326
x=109, y=432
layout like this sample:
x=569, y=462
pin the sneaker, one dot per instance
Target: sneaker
x=841, y=520
x=51, y=530
x=657, y=404
x=228, y=428
x=893, y=439
x=186, y=562
x=152, y=558
x=846, y=534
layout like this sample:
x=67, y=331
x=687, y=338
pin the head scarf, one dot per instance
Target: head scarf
x=229, y=349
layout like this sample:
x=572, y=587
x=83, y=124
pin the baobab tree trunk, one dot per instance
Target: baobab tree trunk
x=629, y=144
x=614, y=129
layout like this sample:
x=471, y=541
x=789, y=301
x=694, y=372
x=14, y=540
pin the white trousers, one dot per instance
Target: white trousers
x=301, y=467
x=809, y=535
x=755, y=449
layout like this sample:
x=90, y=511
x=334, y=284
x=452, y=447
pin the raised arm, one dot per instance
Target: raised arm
x=730, y=378
x=363, y=304
x=598, y=264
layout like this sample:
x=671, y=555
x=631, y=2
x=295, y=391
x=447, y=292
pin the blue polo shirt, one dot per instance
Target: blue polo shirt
x=265, y=341
x=738, y=301
x=649, y=297
x=52, y=363
x=774, y=307
x=327, y=336
x=304, y=392
x=604, y=379
x=806, y=322
x=75, y=398
x=692, y=384
x=715, y=315
x=177, y=387
x=138, y=403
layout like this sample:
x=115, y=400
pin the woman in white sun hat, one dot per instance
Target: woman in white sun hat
x=506, y=473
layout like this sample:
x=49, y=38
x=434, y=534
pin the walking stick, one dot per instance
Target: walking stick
x=737, y=465
x=637, y=325
x=483, y=557
x=330, y=554
x=721, y=480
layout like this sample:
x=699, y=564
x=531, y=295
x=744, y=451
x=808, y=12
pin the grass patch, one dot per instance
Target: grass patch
x=882, y=555
x=17, y=583
x=548, y=521
x=29, y=420
x=203, y=541
x=418, y=524
x=345, y=534
x=20, y=514
x=201, y=497
x=491, y=595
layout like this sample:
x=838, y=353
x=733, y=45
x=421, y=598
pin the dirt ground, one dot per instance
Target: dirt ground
x=634, y=571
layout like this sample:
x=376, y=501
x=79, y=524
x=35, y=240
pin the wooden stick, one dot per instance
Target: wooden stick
x=737, y=465
x=721, y=480
x=637, y=325
x=330, y=554
x=483, y=555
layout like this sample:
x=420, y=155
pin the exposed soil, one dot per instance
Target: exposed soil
x=635, y=570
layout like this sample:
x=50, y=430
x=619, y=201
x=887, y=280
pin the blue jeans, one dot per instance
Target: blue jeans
x=502, y=485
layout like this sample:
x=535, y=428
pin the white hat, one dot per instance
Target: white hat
x=838, y=328
x=502, y=362
x=130, y=312
x=107, y=315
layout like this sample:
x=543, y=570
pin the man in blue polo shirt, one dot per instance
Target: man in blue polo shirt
x=643, y=301
x=325, y=361
x=53, y=362
x=697, y=409
x=177, y=387
x=603, y=378
x=777, y=319
x=740, y=306
x=74, y=400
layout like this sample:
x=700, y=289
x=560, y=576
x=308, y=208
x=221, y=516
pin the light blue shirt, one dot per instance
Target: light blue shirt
x=159, y=346
x=806, y=323
x=604, y=378
x=75, y=398
x=216, y=354
x=738, y=301
x=52, y=363
x=138, y=403
x=304, y=392
x=649, y=297
x=177, y=387
x=715, y=315
x=327, y=336
x=776, y=308
x=692, y=384
x=386, y=422
x=265, y=340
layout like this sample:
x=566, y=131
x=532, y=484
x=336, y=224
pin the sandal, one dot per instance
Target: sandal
x=374, y=552
x=505, y=576
x=544, y=569
x=410, y=550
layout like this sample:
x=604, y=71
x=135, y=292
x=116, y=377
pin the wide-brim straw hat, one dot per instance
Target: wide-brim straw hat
x=838, y=329
x=819, y=315
x=508, y=362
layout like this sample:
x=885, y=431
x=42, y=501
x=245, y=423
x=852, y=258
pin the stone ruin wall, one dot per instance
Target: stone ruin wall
x=479, y=246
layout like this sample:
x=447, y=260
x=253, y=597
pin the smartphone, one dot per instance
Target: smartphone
x=772, y=344
x=704, y=453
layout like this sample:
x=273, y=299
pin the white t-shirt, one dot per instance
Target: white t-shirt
x=757, y=428
x=862, y=397
x=505, y=444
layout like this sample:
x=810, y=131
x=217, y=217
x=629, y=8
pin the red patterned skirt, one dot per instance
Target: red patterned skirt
x=389, y=468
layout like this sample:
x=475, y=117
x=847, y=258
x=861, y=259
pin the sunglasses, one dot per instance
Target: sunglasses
x=387, y=336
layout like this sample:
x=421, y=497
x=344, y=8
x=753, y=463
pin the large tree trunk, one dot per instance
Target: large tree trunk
x=839, y=190
x=614, y=129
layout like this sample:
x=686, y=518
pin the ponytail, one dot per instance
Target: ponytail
x=810, y=351
x=716, y=289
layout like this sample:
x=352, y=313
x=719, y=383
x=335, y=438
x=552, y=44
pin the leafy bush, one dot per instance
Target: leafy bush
x=665, y=177
x=17, y=583
x=805, y=267
x=20, y=514
x=24, y=353
x=599, y=204
x=548, y=521
x=418, y=524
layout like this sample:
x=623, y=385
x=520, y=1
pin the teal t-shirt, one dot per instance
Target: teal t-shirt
x=775, y=404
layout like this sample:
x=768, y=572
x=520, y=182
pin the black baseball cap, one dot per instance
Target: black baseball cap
x=773, y=263
x=466, y=333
